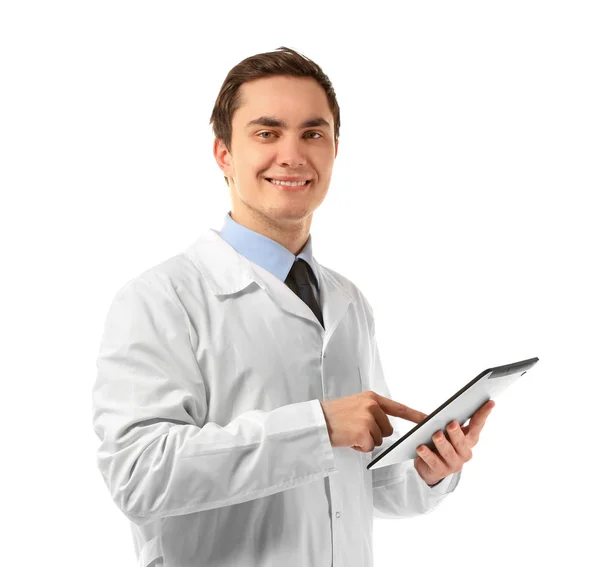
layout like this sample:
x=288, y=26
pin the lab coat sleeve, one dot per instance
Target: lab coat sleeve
x=157, y=454
x=398, y=489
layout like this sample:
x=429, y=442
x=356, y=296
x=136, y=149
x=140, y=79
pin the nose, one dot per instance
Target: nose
x=290, y=153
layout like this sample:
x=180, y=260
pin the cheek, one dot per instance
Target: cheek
x=249, y=160
x=324, y=162
x=258, y=158
x=255, y=169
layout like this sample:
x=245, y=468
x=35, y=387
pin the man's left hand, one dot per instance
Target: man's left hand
x=451, y=454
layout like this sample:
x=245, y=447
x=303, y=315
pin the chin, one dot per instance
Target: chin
x=289, y=213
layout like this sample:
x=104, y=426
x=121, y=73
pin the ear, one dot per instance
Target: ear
x=336, y=147
x=222, y=157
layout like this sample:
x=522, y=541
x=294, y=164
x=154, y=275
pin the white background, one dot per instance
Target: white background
x=463, y=203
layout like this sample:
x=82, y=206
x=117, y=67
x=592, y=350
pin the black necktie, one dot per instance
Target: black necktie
x=298, y=281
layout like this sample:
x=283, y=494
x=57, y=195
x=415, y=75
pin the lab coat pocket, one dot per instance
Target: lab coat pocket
x=151, y=551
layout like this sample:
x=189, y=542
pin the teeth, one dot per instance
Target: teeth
x=288, y=183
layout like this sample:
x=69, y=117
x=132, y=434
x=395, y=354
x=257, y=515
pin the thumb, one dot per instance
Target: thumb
x=397, y=409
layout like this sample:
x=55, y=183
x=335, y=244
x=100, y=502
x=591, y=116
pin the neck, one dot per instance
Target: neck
x=291, y=234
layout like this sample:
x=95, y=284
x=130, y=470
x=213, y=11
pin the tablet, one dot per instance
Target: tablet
x=461, y=406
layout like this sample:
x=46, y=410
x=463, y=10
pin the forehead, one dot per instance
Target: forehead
x=293, y=99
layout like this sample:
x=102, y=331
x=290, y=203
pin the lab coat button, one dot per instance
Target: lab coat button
x=337, y=514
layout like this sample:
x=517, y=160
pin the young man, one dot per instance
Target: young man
x=240, y=393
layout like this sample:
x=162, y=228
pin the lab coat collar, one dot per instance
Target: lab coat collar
x=227, y=272
x=224, y=269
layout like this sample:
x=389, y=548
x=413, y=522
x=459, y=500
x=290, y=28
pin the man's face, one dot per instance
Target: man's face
x=264, y=150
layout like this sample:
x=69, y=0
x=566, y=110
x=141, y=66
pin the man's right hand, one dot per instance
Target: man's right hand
x=361, y=420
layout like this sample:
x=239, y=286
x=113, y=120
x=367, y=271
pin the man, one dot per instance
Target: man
x=240, y=392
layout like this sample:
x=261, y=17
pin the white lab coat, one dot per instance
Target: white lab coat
x=212, y=438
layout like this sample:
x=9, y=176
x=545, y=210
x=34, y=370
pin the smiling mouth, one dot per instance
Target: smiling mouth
x=289, y=188
x=285, y=184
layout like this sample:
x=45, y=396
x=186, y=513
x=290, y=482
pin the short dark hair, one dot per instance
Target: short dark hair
x=282, y=61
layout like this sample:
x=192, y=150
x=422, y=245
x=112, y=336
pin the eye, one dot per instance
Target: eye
x=260, y=135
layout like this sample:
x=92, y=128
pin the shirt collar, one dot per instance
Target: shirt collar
x=264, y=251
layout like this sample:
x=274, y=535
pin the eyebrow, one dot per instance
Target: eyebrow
x=275, y=122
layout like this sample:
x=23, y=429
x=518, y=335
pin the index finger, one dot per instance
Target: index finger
x=397, y=409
